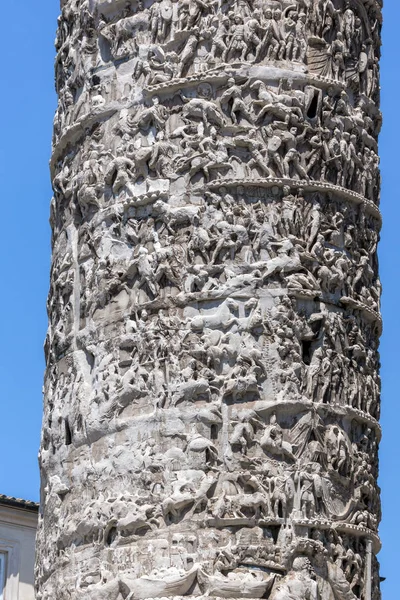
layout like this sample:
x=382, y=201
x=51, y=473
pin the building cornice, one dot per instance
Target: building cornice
x=19, y=503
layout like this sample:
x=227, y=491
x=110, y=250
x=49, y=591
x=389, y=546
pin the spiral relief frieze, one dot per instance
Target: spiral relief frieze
x=212, y=394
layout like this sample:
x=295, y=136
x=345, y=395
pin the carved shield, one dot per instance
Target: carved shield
x=166, y=10
x=362, y=62
x=274, y=143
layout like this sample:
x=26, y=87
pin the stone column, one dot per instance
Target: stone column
x=368, y=571
x=212, y=393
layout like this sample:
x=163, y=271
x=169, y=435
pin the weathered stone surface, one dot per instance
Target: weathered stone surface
x=212, y=393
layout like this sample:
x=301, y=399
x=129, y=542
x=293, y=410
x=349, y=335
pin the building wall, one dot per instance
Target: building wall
x=17, y=540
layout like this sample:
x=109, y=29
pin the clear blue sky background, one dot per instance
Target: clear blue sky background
x=27, y=104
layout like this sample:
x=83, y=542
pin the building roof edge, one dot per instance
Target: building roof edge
x=18, y=503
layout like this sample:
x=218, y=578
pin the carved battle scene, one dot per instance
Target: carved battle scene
x=212, y=395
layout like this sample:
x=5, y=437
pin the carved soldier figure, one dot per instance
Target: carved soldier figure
x=243, y=433
x=328, y=20
x=258, y=158
x=335, y=155
x=352, y=160
x=237, y=47
x=274, y=143
x=234, y=95
x=300, y=42
x=189, y=51
x=146, y=270
x=338, y=52
x=155, y=115
x=272, y=440
x=121, y=174
x=282, y=495
x=348, y=24
x=288, y=34
x=253, y=30
x=271, y=42
x=220, y=38
x=292, y=157
x=196, y=9
x=155, y=20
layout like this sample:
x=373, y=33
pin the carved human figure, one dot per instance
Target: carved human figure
x=233, y=97
x=299, y=584
x=272, y=440
x=237, y=47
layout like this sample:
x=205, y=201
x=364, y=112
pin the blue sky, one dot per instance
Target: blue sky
x=389, y=254
x=27, y=103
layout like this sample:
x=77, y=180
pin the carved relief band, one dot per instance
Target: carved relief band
x=212, y=394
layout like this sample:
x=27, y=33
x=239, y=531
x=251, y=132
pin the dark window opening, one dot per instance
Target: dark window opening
x=306, y=351
x=68, y=433
x=90, y=359
x=79, y=423
x=274, y=529
x=312, y=109
x=214, y=432
x=112, y=534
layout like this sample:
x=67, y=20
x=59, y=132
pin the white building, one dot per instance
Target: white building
x=18, y=523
